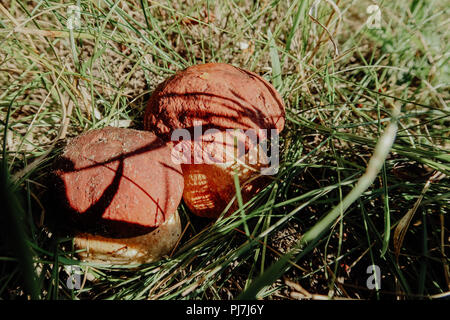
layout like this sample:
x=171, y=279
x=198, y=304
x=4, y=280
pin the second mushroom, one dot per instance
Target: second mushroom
x=213, y=104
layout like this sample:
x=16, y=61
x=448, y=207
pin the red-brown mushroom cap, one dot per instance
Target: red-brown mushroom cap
x=216, y=95
x=119, y=184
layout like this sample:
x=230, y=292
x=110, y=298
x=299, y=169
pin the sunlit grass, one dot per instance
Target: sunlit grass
x=314, y=225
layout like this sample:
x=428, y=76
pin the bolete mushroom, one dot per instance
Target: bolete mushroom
x=217, y=97
x=121, y=192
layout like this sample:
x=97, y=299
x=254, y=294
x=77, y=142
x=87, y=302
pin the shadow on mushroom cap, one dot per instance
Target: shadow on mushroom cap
x=219, y=96
x=110, y=179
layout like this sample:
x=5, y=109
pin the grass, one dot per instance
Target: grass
x=342, y=200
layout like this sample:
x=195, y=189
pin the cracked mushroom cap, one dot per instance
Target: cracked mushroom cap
x=121, y=192
x=215, y=96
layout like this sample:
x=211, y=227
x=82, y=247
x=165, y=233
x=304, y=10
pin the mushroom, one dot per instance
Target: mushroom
x=121, y=192
x=216, y=97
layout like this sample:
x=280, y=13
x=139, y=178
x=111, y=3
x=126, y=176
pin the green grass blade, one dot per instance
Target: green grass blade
x=275, y=61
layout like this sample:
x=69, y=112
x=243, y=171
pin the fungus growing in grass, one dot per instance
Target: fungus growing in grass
x=121, y=191
x=218, y=110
